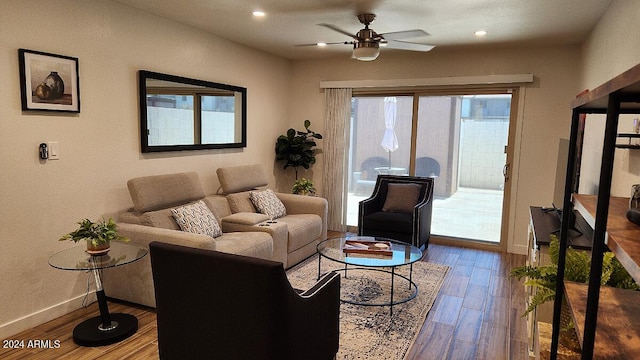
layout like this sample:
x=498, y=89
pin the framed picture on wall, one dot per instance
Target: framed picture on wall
x=49, y=82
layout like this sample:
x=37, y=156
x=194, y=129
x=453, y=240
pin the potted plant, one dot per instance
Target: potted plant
x=296, y=148
x=577, y=268
x=303, y=187
x=98, y=235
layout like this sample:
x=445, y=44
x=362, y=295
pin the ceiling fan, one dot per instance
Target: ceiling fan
x=366, y=42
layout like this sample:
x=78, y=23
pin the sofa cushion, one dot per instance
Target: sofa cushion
x=255, y=244
x=218, y=205
x=241, y=178
x=268, y=203
x=156, y=192
x=302, y=229
x=388, y=221
x=197, y=218
x=159, y=218
x=245, y=218
x=241, y=202
x=401, y=197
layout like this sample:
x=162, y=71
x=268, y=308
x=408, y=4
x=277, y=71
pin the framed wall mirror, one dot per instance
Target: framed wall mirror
x=178, y=113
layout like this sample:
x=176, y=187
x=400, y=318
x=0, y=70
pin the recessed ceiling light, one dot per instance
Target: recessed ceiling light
x=258, y=13
x=481, y=33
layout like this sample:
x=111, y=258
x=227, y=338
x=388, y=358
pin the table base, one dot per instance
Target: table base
x=391, y=302
x=89, y=333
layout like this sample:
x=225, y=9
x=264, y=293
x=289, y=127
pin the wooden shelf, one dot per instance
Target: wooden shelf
x=604, y=332
x=623, y=236
x=596, y=100
x=618, y=331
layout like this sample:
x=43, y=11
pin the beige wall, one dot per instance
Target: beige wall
x=612, y=48
x=100, y=146
x=100, y=151
x=546, y=107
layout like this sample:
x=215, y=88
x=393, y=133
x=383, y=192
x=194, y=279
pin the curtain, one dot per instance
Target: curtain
x=337, y=115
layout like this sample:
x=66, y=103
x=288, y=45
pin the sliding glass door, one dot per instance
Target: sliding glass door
x=459, y=140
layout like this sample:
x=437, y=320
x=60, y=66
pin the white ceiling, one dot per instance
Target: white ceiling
x=449, y=22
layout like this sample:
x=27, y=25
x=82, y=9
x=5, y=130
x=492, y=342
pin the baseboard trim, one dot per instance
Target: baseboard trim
x=42, y=316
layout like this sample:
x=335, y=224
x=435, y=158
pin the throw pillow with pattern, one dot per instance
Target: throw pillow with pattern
x=268, y=203
x=197, y=218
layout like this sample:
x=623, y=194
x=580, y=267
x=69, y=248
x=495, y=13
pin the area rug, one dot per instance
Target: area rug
x=369, y=332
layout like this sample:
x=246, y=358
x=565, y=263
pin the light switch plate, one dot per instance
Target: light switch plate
x=54, y=150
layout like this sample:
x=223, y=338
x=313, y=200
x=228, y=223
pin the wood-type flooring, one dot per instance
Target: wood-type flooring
x=475, y=316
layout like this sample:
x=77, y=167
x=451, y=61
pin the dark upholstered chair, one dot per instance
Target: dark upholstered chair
x=399, y=208
x=213, y=305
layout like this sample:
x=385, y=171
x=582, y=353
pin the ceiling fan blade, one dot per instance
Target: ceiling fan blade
x=408, y=34
x=335, y=28
x=330, y=43
x=411, y=46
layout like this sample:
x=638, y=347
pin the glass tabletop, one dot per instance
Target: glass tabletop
x=402, y=253
x=77, y=258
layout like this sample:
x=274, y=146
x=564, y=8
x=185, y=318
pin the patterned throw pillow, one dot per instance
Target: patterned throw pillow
x=268, y=203
x=197, y=218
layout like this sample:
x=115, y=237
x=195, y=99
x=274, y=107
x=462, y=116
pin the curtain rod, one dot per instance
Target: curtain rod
x=442, y=81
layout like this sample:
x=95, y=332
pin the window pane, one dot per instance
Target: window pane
x=218, y=119
x=376, y=124
x=464, y=137
x=170, y=119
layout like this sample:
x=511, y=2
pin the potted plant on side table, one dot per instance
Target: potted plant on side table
x=98, y=235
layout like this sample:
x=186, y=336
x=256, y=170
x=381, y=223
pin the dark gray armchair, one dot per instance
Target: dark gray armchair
x=213, y=305
x=400, y=208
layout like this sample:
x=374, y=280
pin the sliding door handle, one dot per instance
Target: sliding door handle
x=505, y=172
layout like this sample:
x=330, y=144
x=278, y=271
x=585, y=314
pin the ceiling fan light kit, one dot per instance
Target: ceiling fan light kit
x=366, y=51
x=366, y=42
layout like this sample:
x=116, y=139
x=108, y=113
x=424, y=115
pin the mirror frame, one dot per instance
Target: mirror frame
x=143, y=75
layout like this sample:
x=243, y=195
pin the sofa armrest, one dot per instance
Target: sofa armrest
x=245, y=218
x=142, y=235
x=423, y=211
x=301, y=204
x=319, y=285
x=251, y=222
x=319, y=306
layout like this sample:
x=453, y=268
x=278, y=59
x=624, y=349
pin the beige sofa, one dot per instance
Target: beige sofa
x=151, y=220
x=295, y=235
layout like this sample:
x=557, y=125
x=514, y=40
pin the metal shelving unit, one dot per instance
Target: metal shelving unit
x=620, y=95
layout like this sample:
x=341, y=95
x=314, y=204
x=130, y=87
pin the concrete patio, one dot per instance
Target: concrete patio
x=474, y=214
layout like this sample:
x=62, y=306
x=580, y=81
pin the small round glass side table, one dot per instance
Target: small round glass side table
x=107, y=328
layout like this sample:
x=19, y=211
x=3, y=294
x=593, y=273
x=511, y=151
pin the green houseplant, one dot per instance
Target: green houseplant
x=297, y=148
x=303, y=187
x=577, y=267
x=98, y=235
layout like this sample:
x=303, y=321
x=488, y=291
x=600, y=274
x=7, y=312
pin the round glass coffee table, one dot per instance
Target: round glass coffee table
x=385, y=256
x=107, y=328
